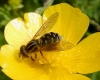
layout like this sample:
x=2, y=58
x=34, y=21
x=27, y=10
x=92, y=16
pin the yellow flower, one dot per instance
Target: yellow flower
x=83, y=58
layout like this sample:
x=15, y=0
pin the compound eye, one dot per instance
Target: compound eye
x=23, y=52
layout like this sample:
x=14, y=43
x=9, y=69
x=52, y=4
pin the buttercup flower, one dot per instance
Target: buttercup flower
x=70, y=64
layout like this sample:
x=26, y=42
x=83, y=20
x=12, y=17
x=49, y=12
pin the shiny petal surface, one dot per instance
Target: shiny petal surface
x=18, y=32
x=61, y=74
x=85, y=57
x=33, y=22
x=71, y=23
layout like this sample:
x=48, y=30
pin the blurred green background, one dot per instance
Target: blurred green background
x=10, y=9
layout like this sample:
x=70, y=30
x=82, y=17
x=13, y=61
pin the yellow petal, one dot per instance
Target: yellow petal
x=33, y=22
x=61, y=74
x=79, y=77
x=17, y=69
x=71, y=23
x=15, y=32
x=90, y=54
x=85, y=57
x=18, y=32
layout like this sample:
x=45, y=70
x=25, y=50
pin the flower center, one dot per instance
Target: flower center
x=50, y=57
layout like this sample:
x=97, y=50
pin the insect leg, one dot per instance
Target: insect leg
x=32, y=58
x=41, y=54
x=46, y=61
x=19, y=55
x=35, y=56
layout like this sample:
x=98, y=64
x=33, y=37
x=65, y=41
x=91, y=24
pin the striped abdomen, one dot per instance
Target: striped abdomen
x=49, y=40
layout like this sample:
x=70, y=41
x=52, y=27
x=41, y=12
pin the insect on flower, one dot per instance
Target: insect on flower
x=46, y=41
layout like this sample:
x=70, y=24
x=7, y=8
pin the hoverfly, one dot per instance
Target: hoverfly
x=47, y=41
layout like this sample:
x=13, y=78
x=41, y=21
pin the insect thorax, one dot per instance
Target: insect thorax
x=32, y=46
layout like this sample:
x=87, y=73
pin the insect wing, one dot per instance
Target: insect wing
x=47, y=25
x=63, y=46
